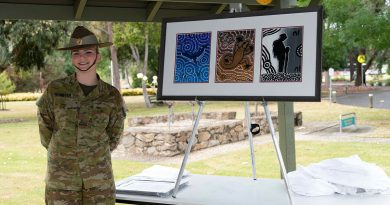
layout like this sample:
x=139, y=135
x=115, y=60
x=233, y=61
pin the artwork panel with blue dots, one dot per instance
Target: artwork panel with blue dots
x=192, y=57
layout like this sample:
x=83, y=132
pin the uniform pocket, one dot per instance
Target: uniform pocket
x=101, y=115
x=65, y=112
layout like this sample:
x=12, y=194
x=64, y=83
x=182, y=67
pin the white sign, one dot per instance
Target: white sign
x=331, y=72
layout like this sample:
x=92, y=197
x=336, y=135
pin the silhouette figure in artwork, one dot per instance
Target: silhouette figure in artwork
x=281, y=52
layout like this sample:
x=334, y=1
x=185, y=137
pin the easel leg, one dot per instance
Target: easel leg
x=188, y=150
x=248, y=128
x=278, y=153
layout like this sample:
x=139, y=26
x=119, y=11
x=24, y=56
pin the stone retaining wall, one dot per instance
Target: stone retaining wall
x=213, y=130
x=170, y=143
x=140, y=121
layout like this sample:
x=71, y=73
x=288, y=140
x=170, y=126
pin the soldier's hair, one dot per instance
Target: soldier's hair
x=97, y=49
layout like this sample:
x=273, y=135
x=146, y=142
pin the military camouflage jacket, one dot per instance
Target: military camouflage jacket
x=79, y=132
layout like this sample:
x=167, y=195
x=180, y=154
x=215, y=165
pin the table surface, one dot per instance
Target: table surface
x=227, y=190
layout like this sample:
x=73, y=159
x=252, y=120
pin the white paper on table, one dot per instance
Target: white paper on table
x=348, y=175
x=149, y=186
x=160, y=173
x=156, y=180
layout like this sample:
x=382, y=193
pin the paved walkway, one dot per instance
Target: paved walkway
x=381, y=99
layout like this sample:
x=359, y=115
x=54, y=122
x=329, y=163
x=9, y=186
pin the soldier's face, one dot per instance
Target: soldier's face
x=85, y=58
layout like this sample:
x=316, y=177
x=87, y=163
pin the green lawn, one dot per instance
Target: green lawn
x=23, y=159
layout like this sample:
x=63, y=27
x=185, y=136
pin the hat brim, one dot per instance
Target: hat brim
x=100, y=45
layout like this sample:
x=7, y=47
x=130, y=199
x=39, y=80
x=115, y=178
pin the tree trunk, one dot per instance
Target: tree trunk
x=41, y=82
x=145, y=92
x=136, y=57
x=371, y=60
x=114, y=68
x=126, y=67
x=351, y=66
x=358, y=81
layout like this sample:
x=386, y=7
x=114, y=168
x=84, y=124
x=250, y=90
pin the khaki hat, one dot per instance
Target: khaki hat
x=82, y=37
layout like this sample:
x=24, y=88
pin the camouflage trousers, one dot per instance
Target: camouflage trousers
x=93, y=196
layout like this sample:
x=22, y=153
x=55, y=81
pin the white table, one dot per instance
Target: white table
x=225, y=190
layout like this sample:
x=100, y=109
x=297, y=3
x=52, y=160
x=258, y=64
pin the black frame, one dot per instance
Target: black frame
x=315, y=98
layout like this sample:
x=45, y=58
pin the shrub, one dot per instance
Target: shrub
x=6, y=85
x=137, y=91
x=387, y=82
x=339, y=78
x=35, y=96
x=22, y=96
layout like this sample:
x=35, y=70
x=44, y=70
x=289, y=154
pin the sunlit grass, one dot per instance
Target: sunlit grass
x=23, y=159
x=239, y=163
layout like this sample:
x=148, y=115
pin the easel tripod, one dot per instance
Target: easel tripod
x=248, y=123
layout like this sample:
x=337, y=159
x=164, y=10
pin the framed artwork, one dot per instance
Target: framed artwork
x=272, y=55
x=192, y=57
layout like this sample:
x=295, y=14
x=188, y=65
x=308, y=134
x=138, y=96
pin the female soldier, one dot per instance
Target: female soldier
x=80, y=122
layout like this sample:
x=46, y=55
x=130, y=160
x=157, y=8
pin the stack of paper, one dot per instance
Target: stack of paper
x=154, y=181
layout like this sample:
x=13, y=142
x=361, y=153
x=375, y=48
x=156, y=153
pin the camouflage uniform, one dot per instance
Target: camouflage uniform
x=79, y=132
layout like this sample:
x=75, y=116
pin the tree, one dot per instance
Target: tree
x=6, y=87
x=362, y=27
x=139, y=37
x=25, y=43
x=114, y=60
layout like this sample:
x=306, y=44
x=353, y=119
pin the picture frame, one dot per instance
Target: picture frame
x=270, y=55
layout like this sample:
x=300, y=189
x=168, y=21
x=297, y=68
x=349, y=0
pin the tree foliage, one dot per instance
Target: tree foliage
x=356, y=27
x=130, y=39
x=142, y=39
x=26, y=43
x=6, y=85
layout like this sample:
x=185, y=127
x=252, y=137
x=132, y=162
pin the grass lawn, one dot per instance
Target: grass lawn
x=23, y=159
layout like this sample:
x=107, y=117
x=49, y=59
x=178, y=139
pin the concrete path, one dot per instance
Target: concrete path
x=381, y=99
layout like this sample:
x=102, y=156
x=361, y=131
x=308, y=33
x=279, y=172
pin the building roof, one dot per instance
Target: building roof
x=119, y=10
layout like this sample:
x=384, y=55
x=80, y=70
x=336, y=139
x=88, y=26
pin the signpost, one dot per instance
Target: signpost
x=331, y=73
x=347, y=120
x=362, y=59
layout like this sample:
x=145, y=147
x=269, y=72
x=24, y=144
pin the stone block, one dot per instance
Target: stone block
x=152, y=151
x=213, y=143
x=241, y=136
x=238, y=128
x=166, y=137
x=204, y=136
x=167, y=146
x=157, y=143
x=145, y=137
x=139, y=143
x=182, y=146
x=200, y=145
x=183, y=136
x=128, y=140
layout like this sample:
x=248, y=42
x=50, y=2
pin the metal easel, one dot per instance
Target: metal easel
x=278, y=152
x=250, y=137
x=192, y=138
x=188, y=150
